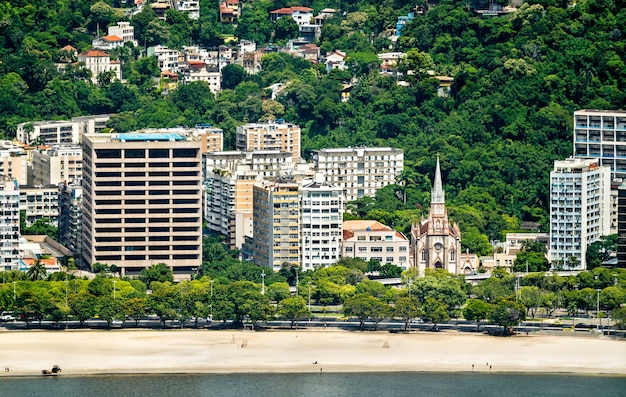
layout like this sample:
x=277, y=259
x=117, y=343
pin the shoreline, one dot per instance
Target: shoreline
x=155, y=352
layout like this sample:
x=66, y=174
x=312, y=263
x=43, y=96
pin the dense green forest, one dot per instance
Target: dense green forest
x=518, y=78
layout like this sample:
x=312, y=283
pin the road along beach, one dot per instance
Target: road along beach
x=81, y=352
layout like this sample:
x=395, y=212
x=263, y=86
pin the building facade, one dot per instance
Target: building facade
x=100, y=62
x=321, y=232
x=40, y=202
x=13, y=163
x=371, y=240
x=359, y=171
x=279, y=135
x=436, y=242
x=276, y=224
x=621, y=226
x=229, y=180
x=9, y=224
x=580, y=205
x=57, y=165
x=601, y=134
x=71, y=218
x=142, y=201
x=49, y=132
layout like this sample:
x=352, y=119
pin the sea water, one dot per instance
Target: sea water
x=317, y=385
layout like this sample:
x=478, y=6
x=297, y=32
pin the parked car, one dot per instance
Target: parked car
x=7, y=316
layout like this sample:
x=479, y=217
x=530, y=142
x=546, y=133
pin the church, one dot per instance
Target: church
x=435, y=242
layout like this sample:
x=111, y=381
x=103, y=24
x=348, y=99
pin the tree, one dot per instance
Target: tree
x=135, y=308
x=364, y=307
x=619, y=316
x=110, y=309
x=476, y=310
x=159, y=272
x=436, y=311
x=278, y=291
x=247, y=302
x=37, y=270
x=507, y=314
x=82, y=306
x=530, y=297
x=232, y=75
x=293, y=309
x=407, y=309
x=286, y=28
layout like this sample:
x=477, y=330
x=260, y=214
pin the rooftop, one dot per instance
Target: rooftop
x=150, y=137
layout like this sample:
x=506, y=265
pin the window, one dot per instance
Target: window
x=377, y=249
x=389, y=249
x=389, y=259
x=362, y=249
x=361, y=238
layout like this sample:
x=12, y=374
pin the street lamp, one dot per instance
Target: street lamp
x=114, y=289
x=263, y=282
x=14, y=295
x=211, y=306
x=309, y=300
x=598, y=308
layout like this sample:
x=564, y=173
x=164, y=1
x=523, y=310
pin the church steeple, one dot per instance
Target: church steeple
x=438, y=195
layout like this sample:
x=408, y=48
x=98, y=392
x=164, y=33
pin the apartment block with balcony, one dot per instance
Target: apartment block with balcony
x=601, y=134
x=40, y=202
x=142, y=201
x=9, y=224
x=49, y=132
x=278, y=135
x=321, y=232
x=125, y=31
x=369, y=239
x=57, y=165
x=359, y=171
x=70, y=218
x=276, y=223
x=229, y=180
x=579, y=210
x=13, y=162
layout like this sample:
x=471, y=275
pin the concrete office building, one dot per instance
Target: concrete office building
x=279, y=135
x=580, y=206
x=321, y=232
x=359, y=171
x=9, y=224
x=142, y=201
x=601, y=134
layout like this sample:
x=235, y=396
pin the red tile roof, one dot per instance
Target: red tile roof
x=112, y=38
x=94, y=53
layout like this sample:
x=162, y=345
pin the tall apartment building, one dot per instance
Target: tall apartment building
x=279, y=135
x=9, y=224
x=142, y=201
x=13, y=162
x=276, y=223
x=601, y=134
x=621, y=226
x=57, y=165
x=359, y=171
x=369, y=239
x=70, y=218
x=579, y=209
x=321, y=232
x=229, y=179
x=211, y=138
x=40, y=202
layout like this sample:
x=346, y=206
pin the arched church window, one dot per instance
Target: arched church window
x=452, y=255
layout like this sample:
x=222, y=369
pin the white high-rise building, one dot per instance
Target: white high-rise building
x=321, y=207
x=9, y=224
x=601, y=134
x=580, y=206
x=142, y=201
x=359, y=171
x=40, y=202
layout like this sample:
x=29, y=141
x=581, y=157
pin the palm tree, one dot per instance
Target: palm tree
x=37, y=271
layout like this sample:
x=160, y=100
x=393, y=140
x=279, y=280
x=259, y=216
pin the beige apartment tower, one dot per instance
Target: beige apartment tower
x=279, y=135
x=142, y=201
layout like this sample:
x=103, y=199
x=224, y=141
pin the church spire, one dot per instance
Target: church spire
x=438, y=196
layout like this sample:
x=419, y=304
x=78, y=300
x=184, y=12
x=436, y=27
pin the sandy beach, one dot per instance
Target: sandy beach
x=200, y=351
